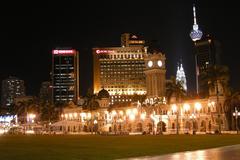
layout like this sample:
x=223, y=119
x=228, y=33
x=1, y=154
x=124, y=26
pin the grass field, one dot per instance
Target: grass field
x=75, y=147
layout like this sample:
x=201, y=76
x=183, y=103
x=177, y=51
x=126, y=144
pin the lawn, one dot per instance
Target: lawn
x=75, y=147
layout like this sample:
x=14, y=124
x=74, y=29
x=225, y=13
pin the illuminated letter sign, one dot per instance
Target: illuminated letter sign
x=104, y=51
x=63, y=52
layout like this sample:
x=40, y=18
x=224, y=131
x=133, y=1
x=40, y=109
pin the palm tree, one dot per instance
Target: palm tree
x=48, y=112
x=214, y=77
x=230, y=103
x=175, y=89
x=91, y=104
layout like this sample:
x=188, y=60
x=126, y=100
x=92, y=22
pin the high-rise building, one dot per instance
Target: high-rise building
x=155, y=72
x=12, y=87
x=181, y=77
x=65, y=75
x=207, y=53
x=45, y=93
x=119, y=70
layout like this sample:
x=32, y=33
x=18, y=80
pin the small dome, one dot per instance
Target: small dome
x=103, y=94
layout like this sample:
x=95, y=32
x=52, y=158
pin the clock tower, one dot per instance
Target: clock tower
x=155, y=72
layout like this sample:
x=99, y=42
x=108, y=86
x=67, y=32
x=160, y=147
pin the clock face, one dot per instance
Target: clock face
x=150, y=63
x=159, y=63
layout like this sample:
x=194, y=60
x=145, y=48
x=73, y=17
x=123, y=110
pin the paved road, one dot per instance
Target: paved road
x=221, y=153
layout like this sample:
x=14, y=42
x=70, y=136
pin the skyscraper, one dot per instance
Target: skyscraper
x=207, y=53
x=181, y=77
x=65, y=75
x=12, y=88
x=45, y=94
x=119, y=70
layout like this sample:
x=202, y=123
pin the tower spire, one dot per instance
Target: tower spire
x=196, y=33
x=194, y=15
x=180, y=76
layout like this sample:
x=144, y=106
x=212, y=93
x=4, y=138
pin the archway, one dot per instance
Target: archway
x=149, y=128
x=161, y=127
x=129, y=128
x=139, y=127
x=203, y=126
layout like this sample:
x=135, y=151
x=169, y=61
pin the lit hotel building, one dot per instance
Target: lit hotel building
x=120, y=70
x=65, y=76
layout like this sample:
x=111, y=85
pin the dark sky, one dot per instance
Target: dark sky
x=29, y=33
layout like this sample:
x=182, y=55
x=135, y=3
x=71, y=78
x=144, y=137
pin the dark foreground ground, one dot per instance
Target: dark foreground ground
x=86, y=147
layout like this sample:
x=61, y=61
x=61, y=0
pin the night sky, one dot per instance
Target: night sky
x=29, y=33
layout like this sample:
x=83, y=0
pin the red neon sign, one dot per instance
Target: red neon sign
x=104, y=51
x=56, y=51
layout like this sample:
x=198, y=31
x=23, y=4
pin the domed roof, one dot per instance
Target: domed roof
x=103, y=94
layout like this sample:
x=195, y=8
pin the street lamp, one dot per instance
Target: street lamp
x=186, y=108
x=193, y=117
x=95, y=126
x=236, y=114
x=175, y=110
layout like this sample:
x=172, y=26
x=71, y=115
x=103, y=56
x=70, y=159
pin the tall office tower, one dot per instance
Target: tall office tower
x=207, y=53
x=12, y=88
x=45, y=94
x=155, y=72
x=119, y=70
x=181, y=77
x=65, y=76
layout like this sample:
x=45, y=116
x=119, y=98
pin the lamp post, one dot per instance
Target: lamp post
x=236, y=114
x=193, y=117
x=186, y=108
x=175, y=110
x=95, y=126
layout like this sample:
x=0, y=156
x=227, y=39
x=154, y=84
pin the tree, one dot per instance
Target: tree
x=214, y=77
x=175, y=89
x=230, y=103
x=48, y=112
x=22, y=108
x=91, y=104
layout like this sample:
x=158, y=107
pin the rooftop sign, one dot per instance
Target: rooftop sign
x=63, y=51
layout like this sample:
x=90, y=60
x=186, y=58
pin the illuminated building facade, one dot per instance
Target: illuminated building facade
x=119, y=70
x=65, y=76
x=12, y=88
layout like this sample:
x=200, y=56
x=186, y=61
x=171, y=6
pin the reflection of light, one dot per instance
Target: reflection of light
x=200, y=155
x=95, y=121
